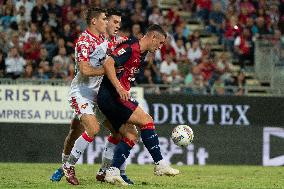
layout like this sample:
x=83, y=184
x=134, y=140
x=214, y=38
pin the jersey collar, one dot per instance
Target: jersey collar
x=94, y=36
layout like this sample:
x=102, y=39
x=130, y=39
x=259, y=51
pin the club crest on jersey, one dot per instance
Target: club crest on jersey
x=121, y=51
x=84, y=106
x=85, y=52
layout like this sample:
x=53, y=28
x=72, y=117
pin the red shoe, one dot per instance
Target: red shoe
x=70, y=175
x=101, y=175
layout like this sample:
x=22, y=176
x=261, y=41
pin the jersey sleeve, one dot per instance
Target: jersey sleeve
x=83, y=50
x=121, y=54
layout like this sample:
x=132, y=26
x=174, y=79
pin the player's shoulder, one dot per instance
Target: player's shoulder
x=83, y=38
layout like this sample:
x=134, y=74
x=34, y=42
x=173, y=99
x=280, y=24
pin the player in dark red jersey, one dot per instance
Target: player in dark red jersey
x=114, y=100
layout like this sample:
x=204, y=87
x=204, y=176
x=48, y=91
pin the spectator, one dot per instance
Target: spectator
x=260, y=28
x=167, y=49
x=136, y=30
x=33, y=33
x=181, y=55
x=195, y=36
x=194, y=53
x=173, y=16
x=243, y=47
x=246, y=4
x=7, y=18
x=14, y=64
x=28, y=6
x=28, y=74
x=62, y=59
x=206, y=68
x=54, y=8
x=194, y=82
x=43, y=71
x=2, y=65
x=20, y=15
x=43, y=57
x=175, y=79
x=168, y=65
x=39, y=14
x=217, y=21
x=156, y=16
x=179, y=34
x=31, y=49
x=203, y=9
x=15, y=42
x=138, y=15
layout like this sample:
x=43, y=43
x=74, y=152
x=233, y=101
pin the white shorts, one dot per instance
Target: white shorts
x=82, y=105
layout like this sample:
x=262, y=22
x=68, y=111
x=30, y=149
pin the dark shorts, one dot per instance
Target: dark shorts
x=116, y=110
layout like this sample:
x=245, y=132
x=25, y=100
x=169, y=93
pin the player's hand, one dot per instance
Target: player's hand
x=124, y=94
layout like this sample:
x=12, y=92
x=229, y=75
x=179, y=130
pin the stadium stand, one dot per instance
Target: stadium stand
x=215, y=47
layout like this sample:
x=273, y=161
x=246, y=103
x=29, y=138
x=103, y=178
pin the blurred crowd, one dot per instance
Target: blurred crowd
x=37, y=39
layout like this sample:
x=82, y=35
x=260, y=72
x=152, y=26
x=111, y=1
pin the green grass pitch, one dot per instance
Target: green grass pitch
x=19, y=175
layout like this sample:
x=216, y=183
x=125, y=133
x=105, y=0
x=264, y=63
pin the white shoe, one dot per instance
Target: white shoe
x=164, y=169
x=113, y=177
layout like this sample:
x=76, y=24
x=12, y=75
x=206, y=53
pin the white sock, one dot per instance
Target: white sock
x=107, y=155
x=64, y=158
x=79, y=147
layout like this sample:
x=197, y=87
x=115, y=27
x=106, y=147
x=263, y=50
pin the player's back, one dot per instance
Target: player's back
x=92, y=49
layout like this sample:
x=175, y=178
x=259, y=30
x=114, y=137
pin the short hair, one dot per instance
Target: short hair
x=93, y=12
x=156, y=28
x=113, y=12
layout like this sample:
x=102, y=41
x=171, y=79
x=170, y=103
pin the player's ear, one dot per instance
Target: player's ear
x=94, y=21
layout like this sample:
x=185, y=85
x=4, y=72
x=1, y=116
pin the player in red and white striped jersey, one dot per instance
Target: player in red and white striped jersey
x=92, y=50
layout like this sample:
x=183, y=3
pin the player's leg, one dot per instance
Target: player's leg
x=75, y=131
x=107, y=154
x=128, y=131
x=84, y=109
x=150, y=140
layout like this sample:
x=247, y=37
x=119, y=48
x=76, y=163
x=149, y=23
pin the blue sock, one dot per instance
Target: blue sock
x=151, y=142
x=121, y=153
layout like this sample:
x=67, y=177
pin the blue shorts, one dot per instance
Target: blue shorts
x=116, y=110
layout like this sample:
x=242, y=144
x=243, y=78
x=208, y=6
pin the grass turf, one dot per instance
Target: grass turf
x=21, y=175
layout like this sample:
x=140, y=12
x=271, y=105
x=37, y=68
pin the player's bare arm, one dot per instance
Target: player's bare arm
x=87, y=70
x=111, y=74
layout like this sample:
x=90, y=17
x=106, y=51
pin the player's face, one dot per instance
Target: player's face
x=113, y=25
x=157, y=42
x=100, y=23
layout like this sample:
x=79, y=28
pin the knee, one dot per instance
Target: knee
x=132, y=134
x=148, y=119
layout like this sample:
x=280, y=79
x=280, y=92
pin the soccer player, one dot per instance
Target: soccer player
x=114, y=19
x=84, y=85
x=114, y=101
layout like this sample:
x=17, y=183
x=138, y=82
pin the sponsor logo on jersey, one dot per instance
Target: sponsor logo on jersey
x=84, y=106
x=121, y=51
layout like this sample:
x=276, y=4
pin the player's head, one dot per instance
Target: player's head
x=156, y=37
x=114, y=21
x=96, y=19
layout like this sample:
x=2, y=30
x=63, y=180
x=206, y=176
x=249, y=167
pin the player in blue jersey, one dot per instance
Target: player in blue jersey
x=114, y=101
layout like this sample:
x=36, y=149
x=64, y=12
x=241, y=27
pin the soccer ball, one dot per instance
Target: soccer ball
x=182, y=135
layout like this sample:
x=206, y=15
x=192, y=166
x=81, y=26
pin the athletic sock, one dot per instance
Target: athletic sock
x=122, y=152
x=79, y=147
x=151, y=141
x=64, y=158
x=108, y=152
